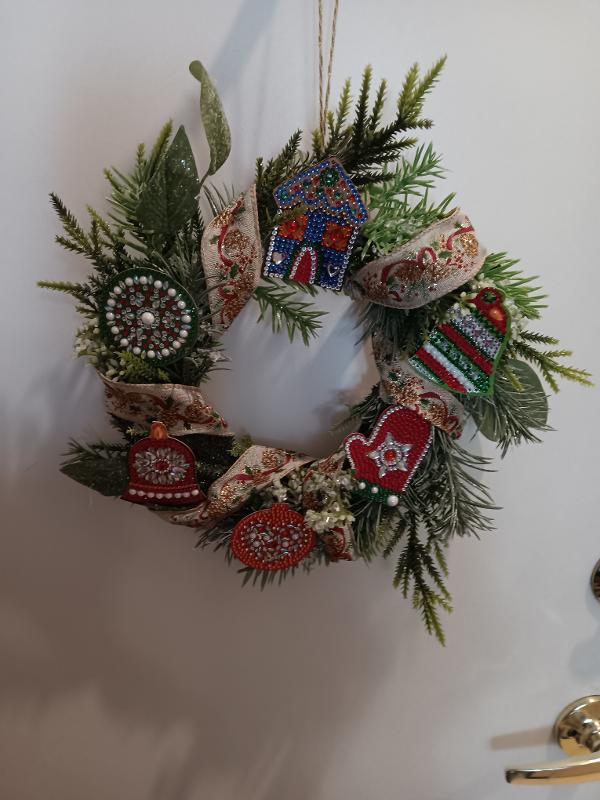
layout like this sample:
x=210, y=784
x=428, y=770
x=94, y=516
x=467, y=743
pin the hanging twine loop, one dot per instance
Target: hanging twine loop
x=325, y=88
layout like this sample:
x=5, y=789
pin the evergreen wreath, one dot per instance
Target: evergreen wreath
x=450, y=326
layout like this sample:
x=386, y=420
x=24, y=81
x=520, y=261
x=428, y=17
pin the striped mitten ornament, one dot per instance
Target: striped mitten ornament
x=462, y=354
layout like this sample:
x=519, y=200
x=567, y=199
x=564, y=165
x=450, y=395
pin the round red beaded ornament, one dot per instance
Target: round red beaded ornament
x=276, y=538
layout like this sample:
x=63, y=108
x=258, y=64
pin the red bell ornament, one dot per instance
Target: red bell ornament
x=162, y=471
x=271, y=539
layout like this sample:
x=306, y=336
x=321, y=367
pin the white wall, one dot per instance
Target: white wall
x=133, y=666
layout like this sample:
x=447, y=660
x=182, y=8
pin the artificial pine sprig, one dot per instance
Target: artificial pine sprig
x=499, y=270
x=287, y=311
x=365, y=146
x=547, y=361
x=420, y=572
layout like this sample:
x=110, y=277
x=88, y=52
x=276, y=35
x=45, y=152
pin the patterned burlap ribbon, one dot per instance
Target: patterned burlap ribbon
x=402, y=386
x=437, y=261
x=232, y=258
x=181, y=408
x=258, y=467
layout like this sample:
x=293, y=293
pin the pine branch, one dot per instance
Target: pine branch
x=293, y=315
x=80, y=291
x=395, y=217
x=101, y=466
x=366, y=412
x=525, y=294
x=405, y=329
x=270, y=175
x=547, y=361
x=378, y=105
x=414, y=92
x=78, y=241
x=365, y=147
x=445, y=491
x=420, y=571
x=366, y=527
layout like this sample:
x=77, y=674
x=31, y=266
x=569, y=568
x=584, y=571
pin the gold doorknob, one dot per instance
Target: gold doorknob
x=577, y=731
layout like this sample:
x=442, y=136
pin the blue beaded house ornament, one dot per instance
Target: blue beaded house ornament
x=315, y=245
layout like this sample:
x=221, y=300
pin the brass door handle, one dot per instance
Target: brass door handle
x=577, y=731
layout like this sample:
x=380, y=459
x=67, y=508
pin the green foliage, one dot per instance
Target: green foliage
x=169, y=199
x=444, y=499
x=395, y=217
x=365, y=413
x=547, y=361
x=218, y=200
x=215, y=123
x=139, y=370
x=268, y=176
x=127, y=191
x=405, y=329
x=80, y=291
x=365, y=146
x=518, y=409
x=524, y=293
x=286, y=310
x=368, y=529
x=100, y=466
x=420, y=572
x=447, y=493
x=240, y=445
x=154, y=223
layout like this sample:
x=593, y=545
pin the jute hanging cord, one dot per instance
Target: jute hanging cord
x=324, y=92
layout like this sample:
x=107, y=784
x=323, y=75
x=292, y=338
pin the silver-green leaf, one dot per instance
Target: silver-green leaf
x=532, y=401
x=215, y=123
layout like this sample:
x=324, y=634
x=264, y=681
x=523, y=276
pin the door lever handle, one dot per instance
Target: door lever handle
x=577, y=731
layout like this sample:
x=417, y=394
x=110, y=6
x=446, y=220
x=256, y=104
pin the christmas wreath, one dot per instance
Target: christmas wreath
x=175, y=261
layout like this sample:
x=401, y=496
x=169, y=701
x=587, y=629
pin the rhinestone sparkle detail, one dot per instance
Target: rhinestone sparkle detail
x=391, y=455
x=148, y=314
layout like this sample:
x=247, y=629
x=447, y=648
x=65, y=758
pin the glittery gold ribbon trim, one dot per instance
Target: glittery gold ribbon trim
x=258, y=467
x=402, y=386
x=232, y=258
x=437, y=261
x=181, y=408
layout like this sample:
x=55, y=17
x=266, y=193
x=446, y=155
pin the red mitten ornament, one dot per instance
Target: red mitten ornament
x=462, y=354
x=275, y=538
x=162, y=471
x=386, y=461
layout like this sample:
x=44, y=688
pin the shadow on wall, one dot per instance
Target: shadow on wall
x=135, y=666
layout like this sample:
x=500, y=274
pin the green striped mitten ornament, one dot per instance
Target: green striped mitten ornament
x=462, y=354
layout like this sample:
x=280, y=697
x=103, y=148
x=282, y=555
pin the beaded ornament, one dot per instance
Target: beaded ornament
x=147, y=313
x=315, y=245
x=276, y=538
x=385, y=462
x=162, y=471
x=462, y=354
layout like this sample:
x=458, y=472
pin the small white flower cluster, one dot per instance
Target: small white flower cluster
x=278, y=491
x=333, y=517
x=89, y=343
x=328, y=488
